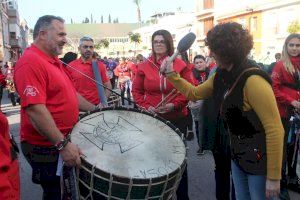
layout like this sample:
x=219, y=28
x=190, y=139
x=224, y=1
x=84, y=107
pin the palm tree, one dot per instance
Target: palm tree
x=136, y=38
x=105, y=44
x=138, y=3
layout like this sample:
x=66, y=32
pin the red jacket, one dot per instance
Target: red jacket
x=149, y=87
x=2, y=79
x=122, y=70
x=284, y=94
x=9, y=168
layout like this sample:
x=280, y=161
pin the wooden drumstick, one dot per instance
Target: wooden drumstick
x=171, y=96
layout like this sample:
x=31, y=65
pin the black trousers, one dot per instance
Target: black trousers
x=183, y=189
x=222, y=177
x=1, y=93
x=12, y=96
x=43, y=162
x=113, y=82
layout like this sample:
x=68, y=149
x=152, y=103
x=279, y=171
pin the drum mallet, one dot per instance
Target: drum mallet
x=184, y=44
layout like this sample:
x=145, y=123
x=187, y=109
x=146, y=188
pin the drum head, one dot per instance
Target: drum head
x=129, y=144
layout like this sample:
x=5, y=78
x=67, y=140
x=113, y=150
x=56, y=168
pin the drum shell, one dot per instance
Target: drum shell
x=101, y=184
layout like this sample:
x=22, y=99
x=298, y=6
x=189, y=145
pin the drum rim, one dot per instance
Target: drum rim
x=156, y=116
x=137, y=181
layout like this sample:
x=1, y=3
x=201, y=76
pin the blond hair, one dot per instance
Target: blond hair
x=285, y=55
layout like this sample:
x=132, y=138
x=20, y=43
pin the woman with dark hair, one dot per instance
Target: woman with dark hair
x=150, y=88
x=247, y=107
x=286, y=85
x=69, y=57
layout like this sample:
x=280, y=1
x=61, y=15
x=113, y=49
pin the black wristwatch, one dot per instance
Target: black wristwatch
x=61, y=144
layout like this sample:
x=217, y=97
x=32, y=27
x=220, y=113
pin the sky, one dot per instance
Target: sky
x=78, y=10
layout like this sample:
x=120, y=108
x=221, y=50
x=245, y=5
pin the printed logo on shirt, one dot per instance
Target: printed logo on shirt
x=275, y=75
x=31, y=91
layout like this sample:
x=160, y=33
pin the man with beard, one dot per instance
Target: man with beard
x=49, y=106
x=86, y=87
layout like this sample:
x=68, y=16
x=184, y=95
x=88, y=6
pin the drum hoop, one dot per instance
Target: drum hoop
x=126, y=180
x=174, y=128
x=113, y=179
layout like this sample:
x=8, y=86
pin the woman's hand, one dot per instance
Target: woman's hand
x=166, y=66
x=169, y=107
x=152, y=110
x=272, y=188
x=296, y=104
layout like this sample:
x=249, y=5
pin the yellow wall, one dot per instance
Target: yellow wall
x=245, y=20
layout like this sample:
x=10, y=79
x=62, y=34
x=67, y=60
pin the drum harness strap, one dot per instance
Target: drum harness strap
x=97, y=82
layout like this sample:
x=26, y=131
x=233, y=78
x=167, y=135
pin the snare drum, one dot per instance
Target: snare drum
x=129, y=155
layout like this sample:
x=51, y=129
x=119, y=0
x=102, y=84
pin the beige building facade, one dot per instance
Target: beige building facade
x=267, y=21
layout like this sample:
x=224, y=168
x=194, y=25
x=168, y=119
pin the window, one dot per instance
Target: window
x=12, y=35
x=208, y=4
x=253, y=24
x=271, y=22
x=208, y=24
x=242, y=21
x=10, y=5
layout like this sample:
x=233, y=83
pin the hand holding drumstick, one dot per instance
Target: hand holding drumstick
x=164, y=106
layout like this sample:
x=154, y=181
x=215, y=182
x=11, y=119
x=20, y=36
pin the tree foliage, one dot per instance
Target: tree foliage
x=135, y=37
x=86, y=20
x=103, y=43
x=109, y=18
x=116, y=20
x=294, y=27
x=138, y=9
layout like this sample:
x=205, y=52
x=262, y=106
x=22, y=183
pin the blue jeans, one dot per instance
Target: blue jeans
x=248, y=186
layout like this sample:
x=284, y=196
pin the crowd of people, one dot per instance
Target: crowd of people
x=236, y=109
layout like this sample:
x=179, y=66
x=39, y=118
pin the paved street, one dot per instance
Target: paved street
x=200, y=168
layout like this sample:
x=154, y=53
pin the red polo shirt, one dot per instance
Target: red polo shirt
x=84, y=86
x=41, y=79
x=9, y=168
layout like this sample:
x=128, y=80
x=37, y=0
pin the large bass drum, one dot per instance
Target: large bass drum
x=128, y=155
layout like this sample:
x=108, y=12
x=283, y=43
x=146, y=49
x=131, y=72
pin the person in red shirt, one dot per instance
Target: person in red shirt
x=123, y=72
x=49, y=106
x=199, y=73
x=84, y=86
x=286, y=86
x=2, y=83
x=9, y=164
x=150, y=88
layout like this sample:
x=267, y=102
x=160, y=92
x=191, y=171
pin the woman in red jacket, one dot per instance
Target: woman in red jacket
x=2, y=84
x=286, y=86
x=150, y=88
x=9, y=166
